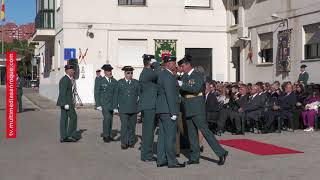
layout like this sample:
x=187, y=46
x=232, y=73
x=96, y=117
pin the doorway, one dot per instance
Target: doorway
x=202, y=57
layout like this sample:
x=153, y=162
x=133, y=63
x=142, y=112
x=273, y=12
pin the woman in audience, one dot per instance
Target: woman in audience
x=301, y=98
x=311, y=109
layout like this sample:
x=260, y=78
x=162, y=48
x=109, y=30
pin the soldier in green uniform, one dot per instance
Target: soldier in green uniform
x=147, y=104
x=106, y=101
x=98, y=76
x=68, y=119
x=19, y=92
x=191, y=88
x=303, y=76
x=127, y=96
x=167, y=106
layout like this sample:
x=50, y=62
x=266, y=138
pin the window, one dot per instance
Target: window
x=312, y=41
x=235, y=17
x=266, y=47
x=131, y=50
x=312, y=51
x=132, y=2
x=198, y=3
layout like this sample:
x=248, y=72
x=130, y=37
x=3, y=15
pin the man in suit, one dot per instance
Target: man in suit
x=240, y=104
x=303, y=76
x=285, y=107
x=98, y=76
x=252, y=109
x=19, y=92
x=167, y=106
x=191, y=89
x=212, y=104
x=68, y=118
x=106, y=101
x=147, y=104
x=212, y=109
x=127, y=96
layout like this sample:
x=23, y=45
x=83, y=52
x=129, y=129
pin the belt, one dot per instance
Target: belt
x=188, y=96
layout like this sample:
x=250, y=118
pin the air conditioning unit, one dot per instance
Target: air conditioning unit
x=243, y=32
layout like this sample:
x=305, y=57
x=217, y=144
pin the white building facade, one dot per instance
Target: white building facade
x=120, y=32
x=273, y=38
x=231, y=39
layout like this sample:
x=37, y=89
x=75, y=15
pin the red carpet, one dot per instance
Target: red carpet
x=256, y=147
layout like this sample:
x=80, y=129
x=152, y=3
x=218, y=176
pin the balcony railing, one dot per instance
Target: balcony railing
x=45, y=19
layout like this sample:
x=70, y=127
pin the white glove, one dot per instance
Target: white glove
x=180, y=83
x=115, y=111
x=66, y=107
x=153, y=61
x=173, y=117
x=99, y=108
x=298, y=104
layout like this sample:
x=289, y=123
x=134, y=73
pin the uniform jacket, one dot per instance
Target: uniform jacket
x=303, y=77
x=193, y=85
x=168, y=101
x=148, y=81
x=106, y=93
x=127, y=96
x=65, y=92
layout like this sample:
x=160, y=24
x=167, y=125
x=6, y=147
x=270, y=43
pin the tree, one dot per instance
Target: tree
x=26, y=51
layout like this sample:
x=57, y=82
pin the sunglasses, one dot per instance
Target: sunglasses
x=129, y=72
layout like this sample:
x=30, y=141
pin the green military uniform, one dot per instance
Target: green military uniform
x=167, y=105
x=194, y=108
x=303, y=78
x=127, y=100
x=67, y=128
x=147, y=106
x=19, y=93
x=106, y=98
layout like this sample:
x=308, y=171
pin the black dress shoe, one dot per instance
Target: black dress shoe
x=222, y=159
x=76, y=138
x=177, y=155
x=178, y=165
x=162, y=165
x=67, y=139
x=150, y=160
x=106, y=140
x=191, y=162
x=124, y=146
x=111, y=139
x=201, y=148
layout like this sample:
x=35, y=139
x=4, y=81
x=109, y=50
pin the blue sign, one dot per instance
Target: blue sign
x=69, y=53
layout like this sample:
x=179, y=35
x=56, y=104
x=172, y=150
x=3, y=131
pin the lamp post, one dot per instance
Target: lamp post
x=284, y=21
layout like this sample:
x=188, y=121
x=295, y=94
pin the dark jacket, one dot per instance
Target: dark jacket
x=287, y=103
x=253, y=104
x=212, y=104
x=212, y=108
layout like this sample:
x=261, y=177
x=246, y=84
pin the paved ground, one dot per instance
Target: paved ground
x=37, y=155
